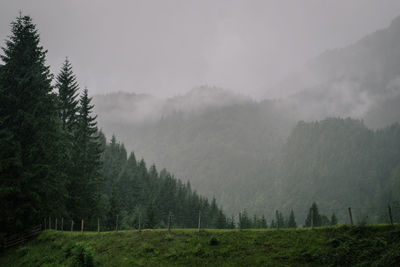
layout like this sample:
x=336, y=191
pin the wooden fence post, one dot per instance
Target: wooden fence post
x=390, y=215
x=240, y=221
x=351, y=216
x=72, y=226
x=169, y=222
x=312, y=217
x=277, y=219
x=140, y=216
x=62, y=224
x=199, y=224
x=82, y=222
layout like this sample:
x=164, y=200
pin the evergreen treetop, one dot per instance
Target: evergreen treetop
x=67, y=93
x=291, y=221
x=30, y=132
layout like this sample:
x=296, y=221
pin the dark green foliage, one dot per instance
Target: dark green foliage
x=86, y=182
x=216, y=148
x=140, y=191
x=337, y=162
x=67, y=94
x=291, y=221
x=55, y=163
x=32, y=180
x=340, y=163
x=114, y=208
x=324, y=220
x=280, y=221
x=263, y=222
x=114, y=159
x=244, y=220
x=328, y=246
x=82, y=256
x=231, y=223
x=314, y=218
x=333, y=219
x=150, y=216
x=214, y=241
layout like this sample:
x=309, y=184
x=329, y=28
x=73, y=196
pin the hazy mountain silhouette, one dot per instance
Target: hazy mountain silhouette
x=227, y=144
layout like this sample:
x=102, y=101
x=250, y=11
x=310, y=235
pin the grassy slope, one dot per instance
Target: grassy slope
x=379, y=245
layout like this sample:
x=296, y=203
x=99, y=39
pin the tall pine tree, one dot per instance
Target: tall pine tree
x=85, y=188
x=67, y=96
x=313, y=216
x=291, y=221
x=68, y=111
x=32, y=185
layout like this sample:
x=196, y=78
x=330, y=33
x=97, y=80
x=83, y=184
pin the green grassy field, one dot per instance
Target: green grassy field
x=331, y=246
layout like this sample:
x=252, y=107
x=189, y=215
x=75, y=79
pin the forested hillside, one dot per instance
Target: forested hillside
x=222, y=150
x=233, y=150
x=55, y=163
x=340, y=163
x=246, y=155
x=132, y=190
x=359, y=80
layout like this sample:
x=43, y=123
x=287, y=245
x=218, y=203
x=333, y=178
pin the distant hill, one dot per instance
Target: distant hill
x=340, y=163
x=220, y=148
x=228, y=145
x=358, y=80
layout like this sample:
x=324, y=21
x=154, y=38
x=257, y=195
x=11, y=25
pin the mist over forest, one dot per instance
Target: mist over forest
x=236, y=148
x=195, y=116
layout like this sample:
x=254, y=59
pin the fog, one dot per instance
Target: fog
x=226, y=108
x=165, y=48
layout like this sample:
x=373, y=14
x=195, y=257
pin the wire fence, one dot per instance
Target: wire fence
x=13, y=240
x=347, y=215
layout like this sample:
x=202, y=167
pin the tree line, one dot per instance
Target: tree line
x=54, y=162
x=137, y=192
x=313, y=219
x=340, y=163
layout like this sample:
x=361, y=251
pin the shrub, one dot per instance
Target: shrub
x=81, y=255
x=214, y=241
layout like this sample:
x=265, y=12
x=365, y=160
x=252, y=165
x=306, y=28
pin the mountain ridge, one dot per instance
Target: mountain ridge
x=228, y=150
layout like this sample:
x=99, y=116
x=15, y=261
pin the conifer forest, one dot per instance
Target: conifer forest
x=203, y=133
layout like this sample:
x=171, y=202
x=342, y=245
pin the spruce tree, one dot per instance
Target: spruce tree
x=86, y=185
x=263, y=222
x=32, y=184
x=114, y=208
x=231, y=223
x=314, y=213
x=333, y=220
x=221, y=221
x=67, y=96
x=255, y=223
x=126, y=185
x=280, y=220
x=150, y=216
x=292, y=221
x=114, y=161
x=68, y=111
x=245, y=221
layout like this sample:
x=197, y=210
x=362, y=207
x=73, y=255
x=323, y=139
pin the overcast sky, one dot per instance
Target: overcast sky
x=167, y=47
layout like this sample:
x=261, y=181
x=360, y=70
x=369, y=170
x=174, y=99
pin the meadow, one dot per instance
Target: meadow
x=377, y=245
